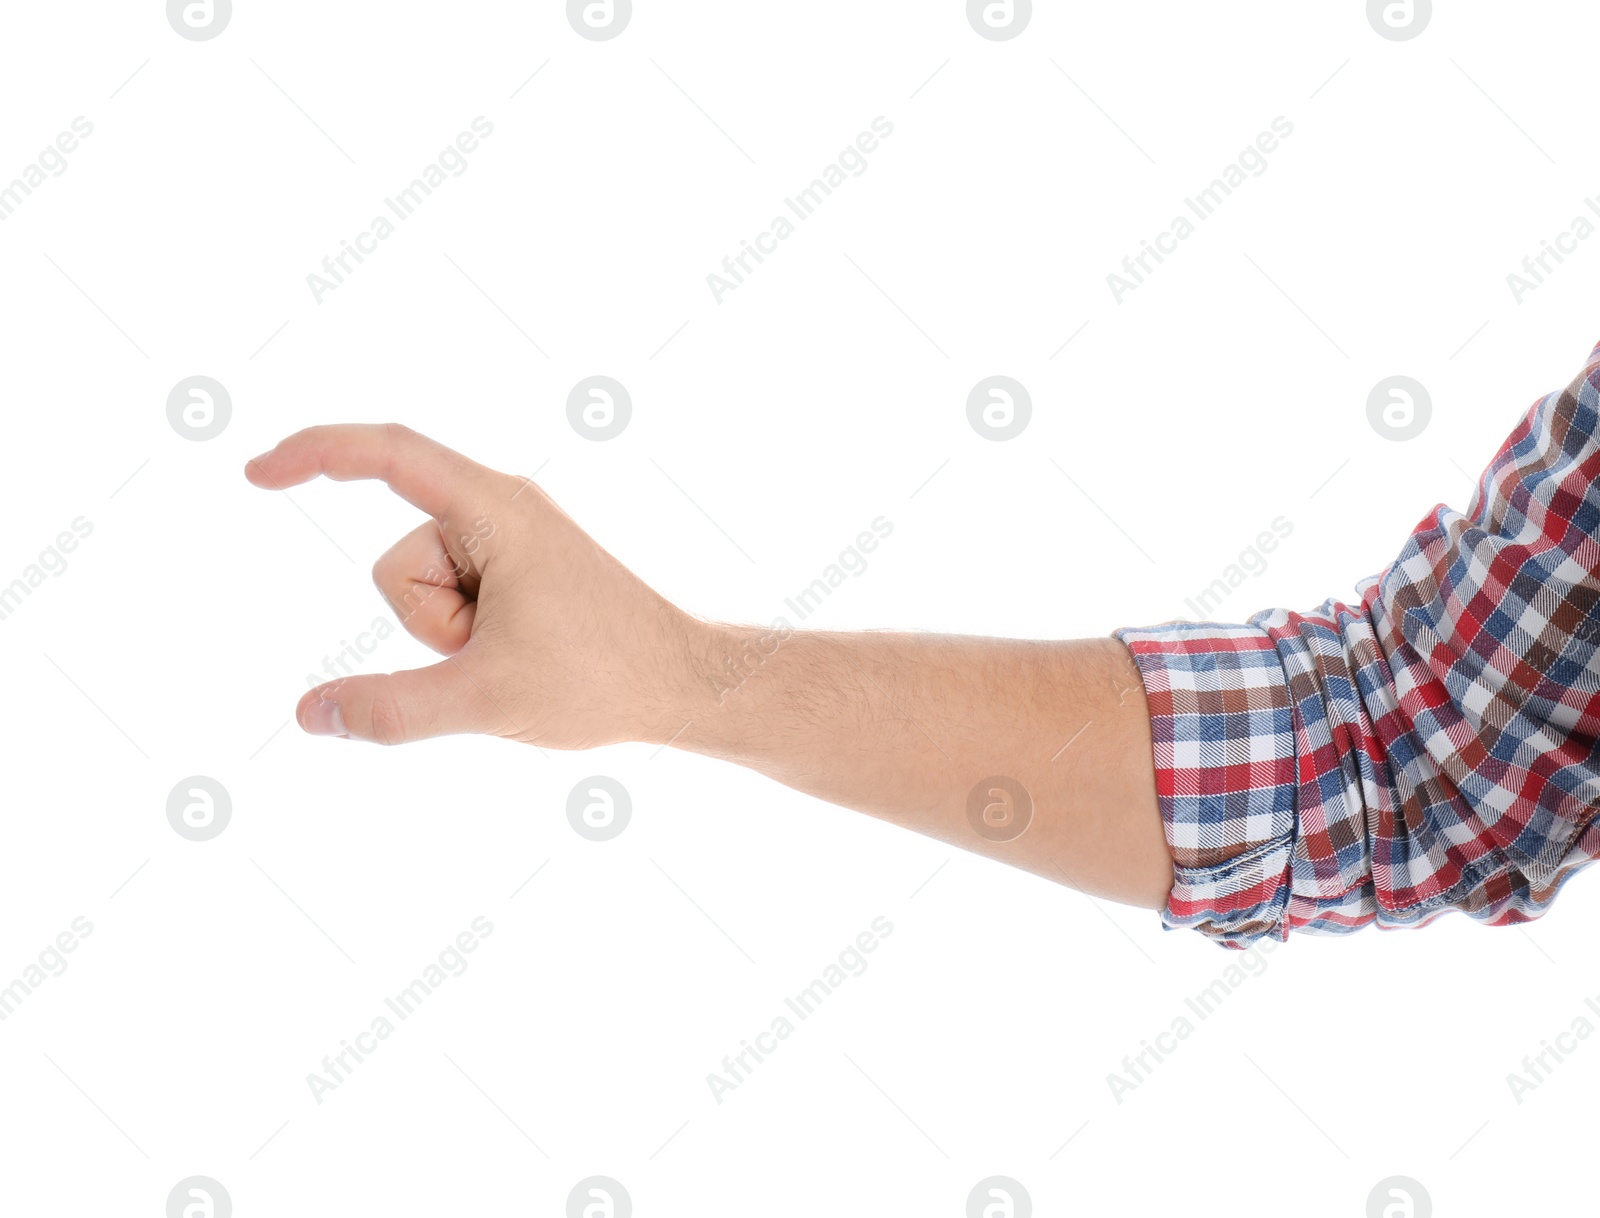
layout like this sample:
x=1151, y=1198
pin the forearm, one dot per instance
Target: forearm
x=1037, y=754
x=906, y=727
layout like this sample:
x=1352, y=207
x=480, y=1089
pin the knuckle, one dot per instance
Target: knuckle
x=388, y=719
x=384, y=580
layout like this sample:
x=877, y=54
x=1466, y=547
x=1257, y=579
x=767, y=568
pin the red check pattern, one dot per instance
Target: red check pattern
x=1431, y=748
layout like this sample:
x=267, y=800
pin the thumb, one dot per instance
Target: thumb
x=395, y=707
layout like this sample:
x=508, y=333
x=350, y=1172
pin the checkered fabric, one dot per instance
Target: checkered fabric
x=1430, y=748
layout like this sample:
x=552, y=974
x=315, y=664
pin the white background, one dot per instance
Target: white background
x=1229, y=390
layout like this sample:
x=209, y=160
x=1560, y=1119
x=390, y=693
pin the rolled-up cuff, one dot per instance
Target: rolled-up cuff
x=1222, y=729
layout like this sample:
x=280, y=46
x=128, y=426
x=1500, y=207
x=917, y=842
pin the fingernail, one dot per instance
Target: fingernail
x=323, y=719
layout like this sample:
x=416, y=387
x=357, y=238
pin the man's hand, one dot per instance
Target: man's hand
x=1034, y=753
x=548, y=638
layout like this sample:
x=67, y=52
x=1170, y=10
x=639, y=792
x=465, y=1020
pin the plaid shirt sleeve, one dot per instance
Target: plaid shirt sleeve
x=1432, y=747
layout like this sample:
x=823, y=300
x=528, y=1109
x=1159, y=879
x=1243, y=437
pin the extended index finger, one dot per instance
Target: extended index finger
x=421, y=471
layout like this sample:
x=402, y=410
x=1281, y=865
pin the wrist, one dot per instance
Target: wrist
x=693, y=679
x=718, y=665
